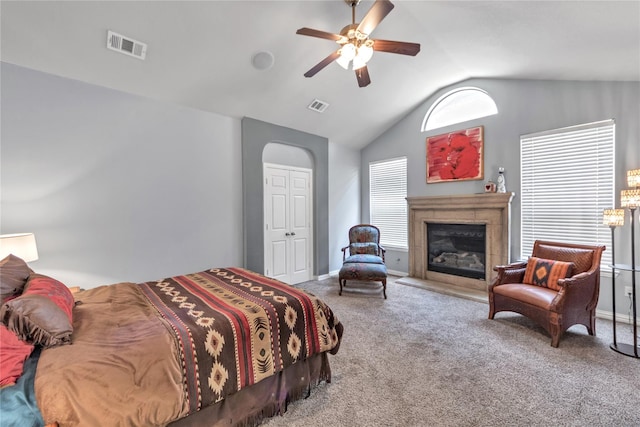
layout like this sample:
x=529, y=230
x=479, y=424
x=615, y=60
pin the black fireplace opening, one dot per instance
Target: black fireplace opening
x=457, y=249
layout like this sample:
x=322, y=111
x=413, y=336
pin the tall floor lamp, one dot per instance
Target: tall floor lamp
x=630, y=199
x=613, y=218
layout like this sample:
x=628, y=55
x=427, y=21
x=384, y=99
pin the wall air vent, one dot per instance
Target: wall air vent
x=318, y=106
x=126, y=45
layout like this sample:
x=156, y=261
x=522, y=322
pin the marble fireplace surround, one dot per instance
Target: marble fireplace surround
x=491, y=209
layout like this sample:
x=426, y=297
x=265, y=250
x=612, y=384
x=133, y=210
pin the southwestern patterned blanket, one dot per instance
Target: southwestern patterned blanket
x=155, y=352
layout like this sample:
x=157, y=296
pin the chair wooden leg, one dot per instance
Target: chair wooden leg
x=492, y=308
x=592, y=322
x=384, y=288
x=556, y=332
x=341, y=280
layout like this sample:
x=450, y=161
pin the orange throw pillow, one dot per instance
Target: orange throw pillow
x=546, y=272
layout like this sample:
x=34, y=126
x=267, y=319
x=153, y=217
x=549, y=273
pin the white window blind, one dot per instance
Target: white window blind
x=567, y=180
x=387, y=201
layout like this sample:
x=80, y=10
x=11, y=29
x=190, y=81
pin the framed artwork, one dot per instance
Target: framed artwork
x=455, y=156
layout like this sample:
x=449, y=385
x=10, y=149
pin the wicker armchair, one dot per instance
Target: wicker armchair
x=555, y=303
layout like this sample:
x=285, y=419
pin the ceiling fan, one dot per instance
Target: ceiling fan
x=355, y=45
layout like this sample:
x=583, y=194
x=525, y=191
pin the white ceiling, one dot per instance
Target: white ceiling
x=200, y=52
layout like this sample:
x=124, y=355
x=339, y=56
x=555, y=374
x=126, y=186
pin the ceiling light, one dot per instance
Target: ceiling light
x=358, y=63
x=365, y=51
x=348, y=51
x=343, y=62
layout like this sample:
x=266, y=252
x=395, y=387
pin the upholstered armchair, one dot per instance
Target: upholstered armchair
x=366, y=257
x=558, y=287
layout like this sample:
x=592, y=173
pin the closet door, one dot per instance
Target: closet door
x=287, y=223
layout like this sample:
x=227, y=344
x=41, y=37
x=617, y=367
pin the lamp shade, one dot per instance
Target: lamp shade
x=613, y=217
x=630, y=198
x=633, y=178
x=22, y=245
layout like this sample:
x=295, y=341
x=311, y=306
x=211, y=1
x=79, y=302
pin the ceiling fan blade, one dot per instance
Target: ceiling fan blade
x=317, y=33
x=403, y=48
x=376, y=14
x=320, y=65
x=362, y=74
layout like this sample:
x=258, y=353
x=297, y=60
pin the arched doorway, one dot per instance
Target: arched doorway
x=288, y=213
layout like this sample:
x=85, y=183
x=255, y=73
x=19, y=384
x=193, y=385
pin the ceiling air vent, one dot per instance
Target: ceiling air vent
x=317, y=105
x=126, y=45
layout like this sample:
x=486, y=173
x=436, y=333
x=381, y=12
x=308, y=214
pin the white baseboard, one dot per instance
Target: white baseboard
x=621, y=318
x=397, y=273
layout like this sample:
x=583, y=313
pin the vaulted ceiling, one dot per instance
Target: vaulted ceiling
x=200, y=52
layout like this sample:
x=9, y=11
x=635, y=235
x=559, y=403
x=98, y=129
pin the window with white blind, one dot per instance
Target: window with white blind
x=567, y=180
x=387, y=201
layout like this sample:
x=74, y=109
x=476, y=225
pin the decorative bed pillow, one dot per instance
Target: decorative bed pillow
x=13, y=353
x=546, y=272
x=14, y=273
x=42, y=314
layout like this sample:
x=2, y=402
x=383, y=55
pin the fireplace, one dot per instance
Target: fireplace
x=488, y=211
x=457, y=249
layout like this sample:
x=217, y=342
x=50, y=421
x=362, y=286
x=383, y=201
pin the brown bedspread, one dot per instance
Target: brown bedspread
x=151, y=353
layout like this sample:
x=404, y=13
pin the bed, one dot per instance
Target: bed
x=225, y=346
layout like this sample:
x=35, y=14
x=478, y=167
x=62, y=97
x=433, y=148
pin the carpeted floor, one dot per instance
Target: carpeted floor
x=422, y=358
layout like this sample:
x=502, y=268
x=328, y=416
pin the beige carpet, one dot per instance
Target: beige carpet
x=422, y=358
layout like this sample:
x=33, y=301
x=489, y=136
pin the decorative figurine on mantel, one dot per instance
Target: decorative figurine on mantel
x=501, y=186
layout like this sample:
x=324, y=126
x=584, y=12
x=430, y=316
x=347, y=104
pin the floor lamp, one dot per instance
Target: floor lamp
x=613, y=218
x=630, y=199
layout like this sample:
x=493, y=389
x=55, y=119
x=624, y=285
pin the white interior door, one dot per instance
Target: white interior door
x=288, y=219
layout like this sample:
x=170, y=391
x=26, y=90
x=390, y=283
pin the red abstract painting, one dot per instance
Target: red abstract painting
x=455, y=156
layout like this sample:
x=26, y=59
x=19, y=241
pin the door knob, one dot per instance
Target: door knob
x=293, y=233
x=287, y=234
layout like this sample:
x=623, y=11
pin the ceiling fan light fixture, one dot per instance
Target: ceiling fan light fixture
x=356, y=48
x=348, y=52
x=365, y=52
x=360, y=36
x=343, y=62
x=358, y=63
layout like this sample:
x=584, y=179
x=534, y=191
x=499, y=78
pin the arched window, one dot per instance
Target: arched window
x=459, y=105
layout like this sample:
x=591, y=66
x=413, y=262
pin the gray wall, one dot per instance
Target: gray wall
x=344, y=199
x=256, y=135
x=524, y=106
x=117, y=187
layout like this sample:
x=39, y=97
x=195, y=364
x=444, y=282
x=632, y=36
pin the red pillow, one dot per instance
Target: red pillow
x=13, y=353
x=546, y=272
x=42, y=314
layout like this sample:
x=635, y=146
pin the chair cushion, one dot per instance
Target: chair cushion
x=363, y=271
x=546, y=272
x=364, y=258
x=363, y=248
x=530, y=294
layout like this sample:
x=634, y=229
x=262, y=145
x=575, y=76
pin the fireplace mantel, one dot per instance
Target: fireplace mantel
x=491, y=209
